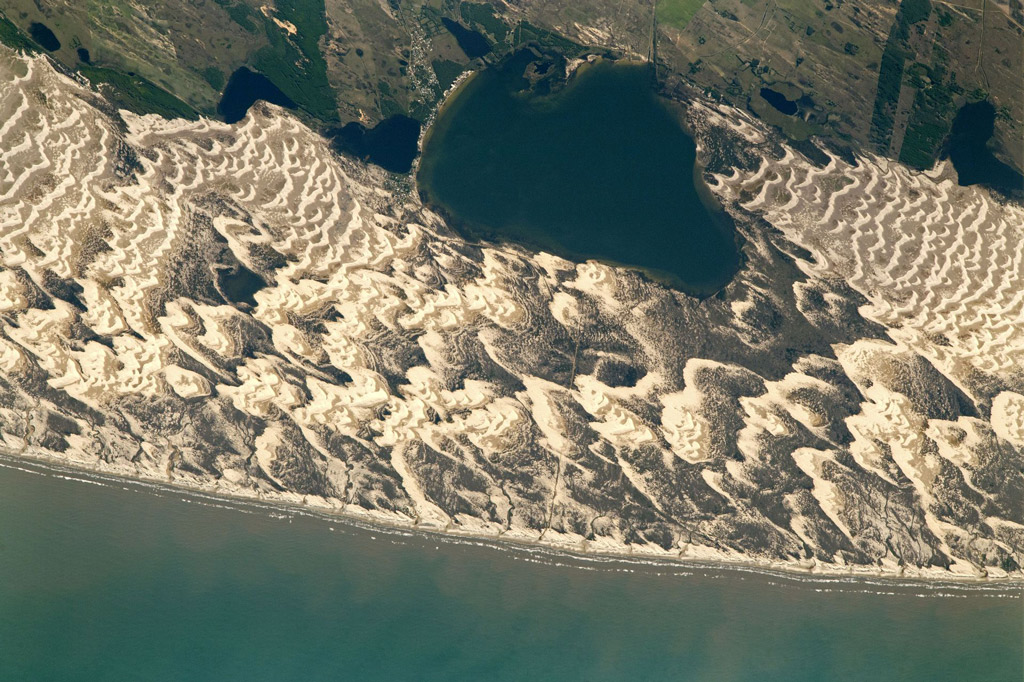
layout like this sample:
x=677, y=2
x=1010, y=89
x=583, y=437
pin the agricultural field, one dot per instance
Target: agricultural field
x=677, y=13
x=175, y=46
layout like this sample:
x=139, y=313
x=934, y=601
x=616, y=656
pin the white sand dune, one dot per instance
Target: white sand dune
x=388, y=369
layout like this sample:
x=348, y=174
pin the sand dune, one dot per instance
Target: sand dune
x=380, y=365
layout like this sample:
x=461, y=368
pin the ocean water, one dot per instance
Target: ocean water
x=601, y=168
x=107, y=580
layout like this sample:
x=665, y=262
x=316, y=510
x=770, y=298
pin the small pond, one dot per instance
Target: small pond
x=779, y=101
x=971, y=156
x=42, y=34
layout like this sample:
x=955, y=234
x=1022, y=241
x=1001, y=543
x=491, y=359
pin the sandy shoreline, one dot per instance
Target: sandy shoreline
x=606, y=550
x=816, y=447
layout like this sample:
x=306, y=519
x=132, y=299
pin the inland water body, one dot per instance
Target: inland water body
x=599, y=167
x=244, y=88
x=102, y=579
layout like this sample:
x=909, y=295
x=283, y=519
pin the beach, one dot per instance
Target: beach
x=109, y=579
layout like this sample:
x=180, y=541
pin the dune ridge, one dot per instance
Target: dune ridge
x=375, y=364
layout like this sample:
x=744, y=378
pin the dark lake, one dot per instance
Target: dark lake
x=971, y=156
x=471, y=42
x=42, y=34
x=779, y=101
x=239, y=284
x=243, y=89
x=600, y=168
x=392, y=144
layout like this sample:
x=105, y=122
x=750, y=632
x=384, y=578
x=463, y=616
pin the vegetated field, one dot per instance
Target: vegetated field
x=12, y=36
x=293, y=61
x=484, y=17
x=898, y=49
x=678, y=13
x=906, y=67
x=137, y=94
x=958, y=55
x=877, y=74
x=169, y=45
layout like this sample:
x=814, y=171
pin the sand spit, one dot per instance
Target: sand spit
x=854, y=413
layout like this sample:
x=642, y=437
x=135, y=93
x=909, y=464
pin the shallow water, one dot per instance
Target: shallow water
x=117, y=581
x=601, y=168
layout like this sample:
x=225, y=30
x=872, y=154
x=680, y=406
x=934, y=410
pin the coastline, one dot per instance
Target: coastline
x=606, y=550
x=729, y=373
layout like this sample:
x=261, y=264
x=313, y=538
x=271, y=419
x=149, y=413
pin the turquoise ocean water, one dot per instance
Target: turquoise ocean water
x=109, y=580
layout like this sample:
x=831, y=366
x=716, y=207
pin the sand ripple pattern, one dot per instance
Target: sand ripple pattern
x=386, y=368
x=942, y=265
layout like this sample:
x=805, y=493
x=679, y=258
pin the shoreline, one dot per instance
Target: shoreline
x=608, y=551
x=483, y=236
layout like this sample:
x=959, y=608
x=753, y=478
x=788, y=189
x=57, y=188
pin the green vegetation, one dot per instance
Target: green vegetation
x=914, y=11
x=137, y=94
x=932, y=113
x=890, y=73
x=829, y=49
x=446, y=71
x=11, y=36
x=528, y=32
x=240, y=13
x=215, y=77
x=677, y=12
x=921, y=141
x=484, y=17
x=389, y=107
x=294, y=63
x=890, y=78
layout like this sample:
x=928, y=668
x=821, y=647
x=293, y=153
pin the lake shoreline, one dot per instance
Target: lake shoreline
x=474, y=235
x=533, y=232
x=606, y=550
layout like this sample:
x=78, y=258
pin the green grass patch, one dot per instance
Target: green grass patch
x=932, y=115
x=913, y=11
x=890, y=72
x=135, y=93
x=11, y=36
x=528, y=32
x=389, y=107
x=446, y=71
x=241, y=14
x=677, y=13
x=921, y=143
x=215, y=77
